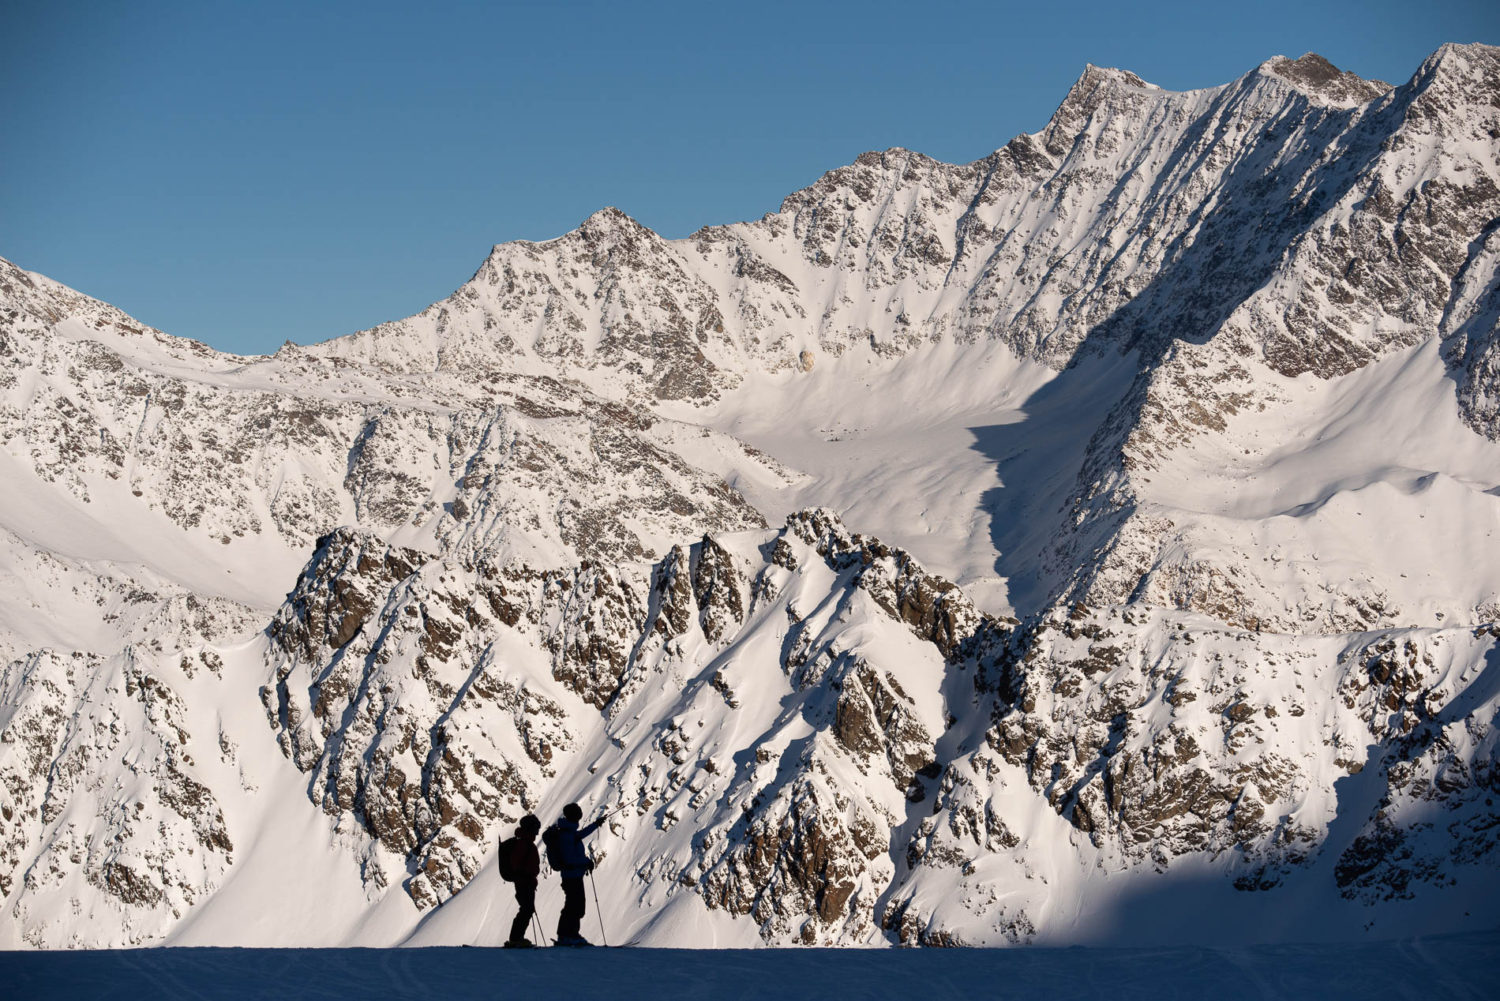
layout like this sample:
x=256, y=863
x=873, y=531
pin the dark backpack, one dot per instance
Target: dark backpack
x=552, y=841
x=507, y=859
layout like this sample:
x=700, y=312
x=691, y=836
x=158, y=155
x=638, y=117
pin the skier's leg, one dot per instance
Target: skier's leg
x=525, y=908
x=573, y=908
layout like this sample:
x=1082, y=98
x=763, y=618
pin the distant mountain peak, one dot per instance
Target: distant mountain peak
x=610, y=218
x=1466, y=53
x=895, y=155
x=1464, y=70
x=1317, y=77
x=1093, y=75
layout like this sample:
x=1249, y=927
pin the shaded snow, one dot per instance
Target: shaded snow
x=1457, y=967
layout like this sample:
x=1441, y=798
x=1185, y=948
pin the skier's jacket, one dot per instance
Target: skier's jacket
x=519, y=861
x=564, y=841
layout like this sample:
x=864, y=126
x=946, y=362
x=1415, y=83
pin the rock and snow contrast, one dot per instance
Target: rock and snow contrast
x=1095, y=543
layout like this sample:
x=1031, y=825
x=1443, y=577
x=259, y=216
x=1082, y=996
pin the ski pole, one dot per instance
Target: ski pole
x=618, y=807
x=536, y=922
x=603, y=938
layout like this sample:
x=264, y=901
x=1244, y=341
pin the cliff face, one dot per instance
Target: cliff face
x=811, y=732
x=1194, y=393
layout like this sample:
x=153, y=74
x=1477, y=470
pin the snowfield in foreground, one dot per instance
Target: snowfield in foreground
x=1456, y=968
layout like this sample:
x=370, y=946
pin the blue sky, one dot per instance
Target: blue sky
x=250, y=173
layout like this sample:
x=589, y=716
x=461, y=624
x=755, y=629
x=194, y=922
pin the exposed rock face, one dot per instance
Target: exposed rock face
x=391, y=688
x=1168, y=760
x=718, y=591
x=1155, y=756
x=104, y=803
x=836, y=792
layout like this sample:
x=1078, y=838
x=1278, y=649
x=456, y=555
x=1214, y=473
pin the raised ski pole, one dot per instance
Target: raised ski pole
x=603, y=939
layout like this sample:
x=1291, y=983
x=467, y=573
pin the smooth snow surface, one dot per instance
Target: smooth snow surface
x=1454, y=967
x=944, y=452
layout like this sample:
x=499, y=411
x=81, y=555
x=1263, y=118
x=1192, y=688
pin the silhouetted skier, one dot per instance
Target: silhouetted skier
x=565, y=853
x=520, y=864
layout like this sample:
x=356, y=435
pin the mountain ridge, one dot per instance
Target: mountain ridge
x=1186, y=401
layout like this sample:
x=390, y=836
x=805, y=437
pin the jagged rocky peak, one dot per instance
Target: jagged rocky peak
x=1317, y=77
x=610, y=223
x=1094, y=86
x=1458, y=97
x=604, y=231
x=1473, y=61
x=609, y=241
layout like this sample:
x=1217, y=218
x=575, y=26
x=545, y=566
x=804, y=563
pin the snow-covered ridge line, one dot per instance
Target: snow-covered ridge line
x=898, y=248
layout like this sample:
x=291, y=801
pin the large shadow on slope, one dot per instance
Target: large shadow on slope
x=1039, y=460
x=1071, y=442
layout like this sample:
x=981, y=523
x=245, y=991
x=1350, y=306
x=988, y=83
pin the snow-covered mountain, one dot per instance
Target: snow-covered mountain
x=1095, y=542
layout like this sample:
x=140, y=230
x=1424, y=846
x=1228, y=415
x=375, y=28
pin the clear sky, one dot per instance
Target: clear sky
x=250, y=173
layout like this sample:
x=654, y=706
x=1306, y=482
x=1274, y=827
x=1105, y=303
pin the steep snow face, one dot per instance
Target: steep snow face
x=1357, y=502
x=1186, y=404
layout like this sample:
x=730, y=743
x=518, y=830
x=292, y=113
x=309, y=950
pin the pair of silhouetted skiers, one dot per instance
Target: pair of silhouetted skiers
x=520, y=864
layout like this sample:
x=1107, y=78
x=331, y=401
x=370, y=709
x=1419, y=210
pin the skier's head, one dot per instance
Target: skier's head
x=528, y=827
x=573, y=812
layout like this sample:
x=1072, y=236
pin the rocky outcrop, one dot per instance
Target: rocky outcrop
x=390, y=688
x=103, y=800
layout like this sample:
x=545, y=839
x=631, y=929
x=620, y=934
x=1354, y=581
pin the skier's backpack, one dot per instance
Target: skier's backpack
x=507, y=859
x=552, y=841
